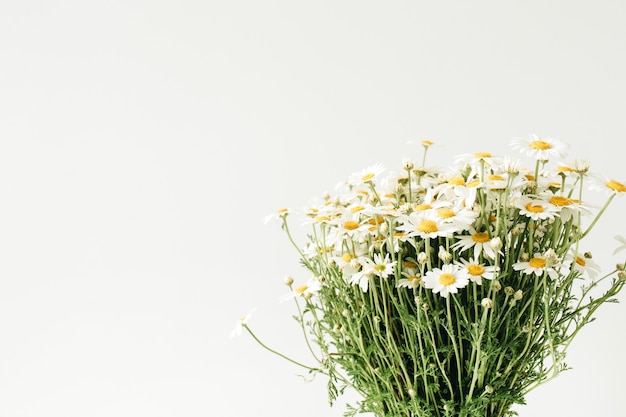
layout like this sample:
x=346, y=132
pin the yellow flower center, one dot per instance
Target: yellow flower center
x=445, y=213
x=409, y=264
x=559, y=200
x=427, y=226
x=530, y=177
x=376, y=220
x=346, y=257
x=563, y=168
x=380, y=267
x=356, y=209
x=322, y=218
x=282, y=211
x=480, y=237
x=350, y=225
x=456, y=181
x=580, y=261
x=482, y=155
x=301, y=289
x=533, y=208
x=427, y=142
x=367, y=177
x=446, y=279
x=537, y=262
x=494, y=177
x=421, y=207
x=616, y=186
x=473, y=183
x=414, y=278
x=475, y=269
x=541, y=145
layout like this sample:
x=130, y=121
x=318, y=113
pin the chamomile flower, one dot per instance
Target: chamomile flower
x=583, y=263
x=536, y=208
x=243, y=321
x=537, y=265
x=424, y=226
x=369, y=174
x=380, y=266
x=460, y=218
x=307, y=290
x=410, y=279
x=446, y=280
x=540, y=148
x=476, y=271
x=479, y=241
x=609, y=185
x=280, y=214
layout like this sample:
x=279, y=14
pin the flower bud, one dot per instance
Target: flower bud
x=496, y=286
x=621, y=275
x=422, y=257
x=288, y=281
x=509, y=290
x=518, y=295
x=412, y=392
x=444, y=255
x=489, y=389
x=486, y=302
x=496, y=243
x=407, y=164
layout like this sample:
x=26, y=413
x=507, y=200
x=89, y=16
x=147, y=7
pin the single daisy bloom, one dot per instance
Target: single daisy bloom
x=278, y=215
x=540, y=148
x=609, y=185
x=369, y=174
x=537, y=265
x=445, y=280
x=243, y=321
x=535, y=208
x=410, y=279
x=479, y=241
x=307, y=290
x=584, y=264
x=460, y=218
x=424, y=226
x=379, y=266
x=476, y=271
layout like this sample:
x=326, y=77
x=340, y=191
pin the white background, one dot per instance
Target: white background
x=143, y=143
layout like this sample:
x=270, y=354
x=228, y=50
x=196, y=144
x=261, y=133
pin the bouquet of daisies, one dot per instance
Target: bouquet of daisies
x=450, y=292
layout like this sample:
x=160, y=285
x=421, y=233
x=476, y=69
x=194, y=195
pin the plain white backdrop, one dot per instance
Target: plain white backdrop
x=143, y=142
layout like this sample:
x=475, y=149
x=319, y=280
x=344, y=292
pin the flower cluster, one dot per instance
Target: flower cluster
x=452, y=291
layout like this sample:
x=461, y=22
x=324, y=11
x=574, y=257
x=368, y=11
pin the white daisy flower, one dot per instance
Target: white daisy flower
x=424, y=226
x=476, y=271
x=445, y=280
x=307, y=290
x=379, y=266
x=536, y=208
x=460, y=218
x=243, y=321
x=609, y=185
x=537, y=265
x=411, y=279
x=369, y=174
x=583, y=264
x=480, y=241
x=540, y=148
x=278, y=215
